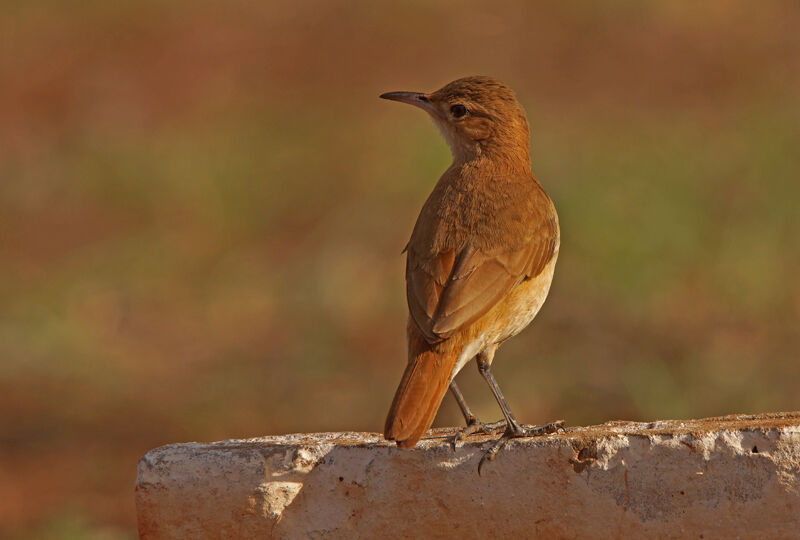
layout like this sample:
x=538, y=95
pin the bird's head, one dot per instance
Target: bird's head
x=479, y=116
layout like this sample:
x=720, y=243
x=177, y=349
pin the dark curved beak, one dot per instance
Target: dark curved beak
x=417, y=99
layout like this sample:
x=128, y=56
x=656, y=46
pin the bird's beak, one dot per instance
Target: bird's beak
x=418, y=99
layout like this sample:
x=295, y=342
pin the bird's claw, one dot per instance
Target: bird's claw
x=556, y=426
x=476, y=426
x=521, y=431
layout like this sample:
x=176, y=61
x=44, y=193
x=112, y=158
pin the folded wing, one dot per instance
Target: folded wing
x=451, y=290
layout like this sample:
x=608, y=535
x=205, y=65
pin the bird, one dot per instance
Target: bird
x=480, y=260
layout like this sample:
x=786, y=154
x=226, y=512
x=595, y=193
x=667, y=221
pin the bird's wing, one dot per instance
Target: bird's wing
x=451, y=290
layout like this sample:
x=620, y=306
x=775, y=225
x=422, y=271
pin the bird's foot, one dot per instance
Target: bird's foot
x=514, y=431
x=476, y=426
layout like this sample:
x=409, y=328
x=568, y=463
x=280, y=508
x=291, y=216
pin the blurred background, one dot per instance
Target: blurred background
x=203, y=204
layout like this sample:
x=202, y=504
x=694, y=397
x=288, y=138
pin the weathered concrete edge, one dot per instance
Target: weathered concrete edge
x=606, y=447
x=442, y=437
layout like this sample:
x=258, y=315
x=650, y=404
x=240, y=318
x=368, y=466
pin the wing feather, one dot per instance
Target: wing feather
x=449, y=290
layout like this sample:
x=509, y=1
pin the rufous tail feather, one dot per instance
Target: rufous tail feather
x=420, y=393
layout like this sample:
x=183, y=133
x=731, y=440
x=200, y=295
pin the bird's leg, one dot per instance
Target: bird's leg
x=473, y=424
x=469, y=418
x=513, y=428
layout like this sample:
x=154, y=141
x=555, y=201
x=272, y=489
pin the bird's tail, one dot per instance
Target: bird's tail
x=421, y=390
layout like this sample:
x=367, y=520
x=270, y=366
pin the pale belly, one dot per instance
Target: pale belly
x=509, y=317
x=523, y=303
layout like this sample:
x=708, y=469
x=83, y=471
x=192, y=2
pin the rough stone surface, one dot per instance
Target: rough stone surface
x=727, y=477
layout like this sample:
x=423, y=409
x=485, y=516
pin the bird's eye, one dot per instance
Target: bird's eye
x=458, y=110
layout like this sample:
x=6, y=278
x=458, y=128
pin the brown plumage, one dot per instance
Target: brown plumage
x=480, y=259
